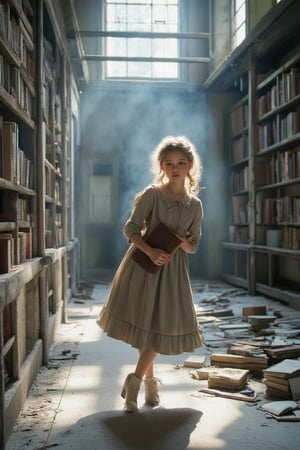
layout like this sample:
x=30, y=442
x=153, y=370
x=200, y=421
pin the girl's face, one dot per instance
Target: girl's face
x=176, y=166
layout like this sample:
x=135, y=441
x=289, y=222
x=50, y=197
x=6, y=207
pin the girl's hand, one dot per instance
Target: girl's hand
x=159, y=257
x=185, y=244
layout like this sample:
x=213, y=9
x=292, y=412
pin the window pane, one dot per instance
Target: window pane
x=165, y=70
x=240, y=17
x=116, y=47
x=116, y=69
x=139, y=47
x=143, y=16
x=139, y=70
x=238, y=22
x=239, y=4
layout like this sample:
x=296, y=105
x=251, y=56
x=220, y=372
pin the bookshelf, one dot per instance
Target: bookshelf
x=277, y=162
x=35, y=252
x=235, y=264
x=262, y=250
x=17, y=136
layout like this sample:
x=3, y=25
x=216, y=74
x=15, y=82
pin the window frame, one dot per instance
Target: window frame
x=178, y=77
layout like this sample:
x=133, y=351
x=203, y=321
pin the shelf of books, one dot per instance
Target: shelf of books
x=53, y=167
x=235, y=251
x=277, y=163
x=17, y=136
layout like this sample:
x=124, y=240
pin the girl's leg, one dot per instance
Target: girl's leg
x=145, y=366
x=145, y=363
x=132, y=382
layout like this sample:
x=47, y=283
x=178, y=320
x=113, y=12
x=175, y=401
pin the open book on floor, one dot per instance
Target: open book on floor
x=161, y=237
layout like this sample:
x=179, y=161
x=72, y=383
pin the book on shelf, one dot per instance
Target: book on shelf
x=239, y=180
x=161, y=237
x=239, y=209
x=238, y=234
x=10, y=151
x=239, y=148
x=6, y=252
x=28, y=244
x=239, y=118
x=1, y=147
x=291, y=237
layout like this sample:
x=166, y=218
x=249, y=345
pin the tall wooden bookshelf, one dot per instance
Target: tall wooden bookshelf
x=34, y=181
x=235, y=251
x=262, y=251
x=17, y=140
x=277, y=162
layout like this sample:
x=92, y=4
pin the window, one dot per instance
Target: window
x=158, y=16
x=238, y=22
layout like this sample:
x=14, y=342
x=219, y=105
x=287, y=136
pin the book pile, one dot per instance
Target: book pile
x=282, y=380
x=256, y=364
x=222, y=378
x=226, y=378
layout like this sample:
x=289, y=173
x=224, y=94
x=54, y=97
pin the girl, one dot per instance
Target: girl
x=154, y=312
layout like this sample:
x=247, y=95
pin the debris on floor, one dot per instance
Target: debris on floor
x=259, y=340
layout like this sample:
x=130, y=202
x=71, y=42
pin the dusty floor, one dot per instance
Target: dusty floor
x=75, y=402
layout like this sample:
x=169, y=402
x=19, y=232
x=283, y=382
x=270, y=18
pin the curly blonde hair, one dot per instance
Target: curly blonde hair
x=184, y=145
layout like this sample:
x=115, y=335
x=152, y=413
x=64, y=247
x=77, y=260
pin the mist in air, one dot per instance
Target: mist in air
x=122, y=127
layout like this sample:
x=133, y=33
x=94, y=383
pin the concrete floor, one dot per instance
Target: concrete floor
x=75, y=402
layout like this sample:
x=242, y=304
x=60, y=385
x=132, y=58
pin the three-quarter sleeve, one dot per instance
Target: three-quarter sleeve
x=142, y=208
x=195, y=229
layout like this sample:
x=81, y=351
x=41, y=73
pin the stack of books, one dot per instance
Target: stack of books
x=282, y=380
x=256, y=364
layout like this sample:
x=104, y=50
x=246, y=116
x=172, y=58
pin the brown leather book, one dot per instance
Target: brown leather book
x=161, y=237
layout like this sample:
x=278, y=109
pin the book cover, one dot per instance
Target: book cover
x=285, y=369
x=161, y=237
x=279, y=408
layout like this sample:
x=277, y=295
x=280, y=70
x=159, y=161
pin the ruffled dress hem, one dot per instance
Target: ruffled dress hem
x=148, y=340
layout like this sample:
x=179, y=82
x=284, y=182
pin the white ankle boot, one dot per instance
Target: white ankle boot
x=130, y=392
x=151, y=391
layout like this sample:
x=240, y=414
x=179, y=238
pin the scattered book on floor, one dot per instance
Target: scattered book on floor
x=255, y=364
x=279, y=408
x=253, y=310
x=289, y=351
x=227, y=378
x=194, y=361
x=246, y=350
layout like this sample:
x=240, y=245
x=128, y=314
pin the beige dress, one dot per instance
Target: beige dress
x=156, y=311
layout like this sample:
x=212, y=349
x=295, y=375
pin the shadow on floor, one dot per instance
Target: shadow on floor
x=149, y=428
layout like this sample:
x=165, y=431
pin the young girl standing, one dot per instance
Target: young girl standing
x=154, y=312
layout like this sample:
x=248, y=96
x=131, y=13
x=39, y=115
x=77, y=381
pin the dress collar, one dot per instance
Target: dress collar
x=185, y=201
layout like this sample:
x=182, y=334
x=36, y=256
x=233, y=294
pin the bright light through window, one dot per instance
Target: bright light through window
x=142, y=16
x=238, y=22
